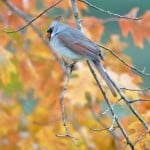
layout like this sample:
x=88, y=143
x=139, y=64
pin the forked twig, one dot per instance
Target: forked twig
x=128, y=103
x=111, y=110
x=32, y=20
x=113, y=105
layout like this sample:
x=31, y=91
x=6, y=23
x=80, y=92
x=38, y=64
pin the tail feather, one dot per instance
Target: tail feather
x=101, y=70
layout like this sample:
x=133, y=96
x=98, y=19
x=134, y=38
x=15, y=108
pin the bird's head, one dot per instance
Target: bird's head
x=53, y=27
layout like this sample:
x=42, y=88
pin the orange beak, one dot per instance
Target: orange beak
x=48, y=35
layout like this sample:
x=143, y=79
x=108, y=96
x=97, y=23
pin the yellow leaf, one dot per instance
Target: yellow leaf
x=6, y=66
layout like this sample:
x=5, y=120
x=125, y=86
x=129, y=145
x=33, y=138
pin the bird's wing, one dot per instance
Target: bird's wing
x=79, y=44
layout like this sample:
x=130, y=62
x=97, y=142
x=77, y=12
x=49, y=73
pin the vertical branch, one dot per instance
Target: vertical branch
x=62, y=99
x=69, y=72
x=78, y=21
x=75, y=12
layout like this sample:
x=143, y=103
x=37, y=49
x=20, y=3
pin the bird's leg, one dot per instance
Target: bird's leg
x=72, y=65
x=68, y=65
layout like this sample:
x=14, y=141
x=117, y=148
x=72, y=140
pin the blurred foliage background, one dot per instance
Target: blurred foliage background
x=31, y=79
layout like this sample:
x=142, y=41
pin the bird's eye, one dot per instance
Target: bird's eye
x=50, y=30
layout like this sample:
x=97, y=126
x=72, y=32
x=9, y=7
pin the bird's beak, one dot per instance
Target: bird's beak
x=48, y=35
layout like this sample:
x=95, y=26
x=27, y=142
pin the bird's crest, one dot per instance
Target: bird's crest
x=58, y=18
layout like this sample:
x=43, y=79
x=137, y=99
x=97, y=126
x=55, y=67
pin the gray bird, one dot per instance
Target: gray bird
x=72, y=44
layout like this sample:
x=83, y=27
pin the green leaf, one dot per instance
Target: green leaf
x=15, y=85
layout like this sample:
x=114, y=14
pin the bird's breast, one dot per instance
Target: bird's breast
x=63, y=50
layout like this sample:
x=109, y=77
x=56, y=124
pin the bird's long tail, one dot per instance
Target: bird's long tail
x=101, y=70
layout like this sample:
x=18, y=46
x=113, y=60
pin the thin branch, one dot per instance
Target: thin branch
x=107, y=20
x=75, y=12
x=23, y=16
x=140, y=137
x=123, y=61
x=69, y=70
x=136, y=90
x=111, y=110
x=37, y=31
x=97, y=118
x=111, y=128
x=104, y=129
x=113, y=105
x=139, y=100
x=108, y=12
x=128, y=104
x=32, y=20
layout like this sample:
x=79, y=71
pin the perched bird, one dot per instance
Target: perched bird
x=72, y=44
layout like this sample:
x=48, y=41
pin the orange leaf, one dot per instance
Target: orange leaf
x=94, y=27
x=140, y=29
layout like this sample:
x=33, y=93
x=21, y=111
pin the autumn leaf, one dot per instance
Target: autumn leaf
x=31, y=120
x=139, y=29
x=7, y=67
x=93, y=28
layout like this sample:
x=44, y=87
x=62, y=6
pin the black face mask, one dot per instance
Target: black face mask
x=50, y=30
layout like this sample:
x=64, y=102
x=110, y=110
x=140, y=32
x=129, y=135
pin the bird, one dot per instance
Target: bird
x=72, y=44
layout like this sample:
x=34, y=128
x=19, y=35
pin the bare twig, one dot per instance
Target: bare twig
x=32, y=20
x=75, y=12
x=24, y=17
x=123, y=61
x=140, y=137
x=111, y=128
x=97, y=118
x=37, y=31
x=113, y=105
x=104, y=129
x=136, y=90
x=69, y=70
x=108, y=12
x=128, y=104
x=113, y=123
x=111, y=110
x=107, y=20
x=139, y=100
